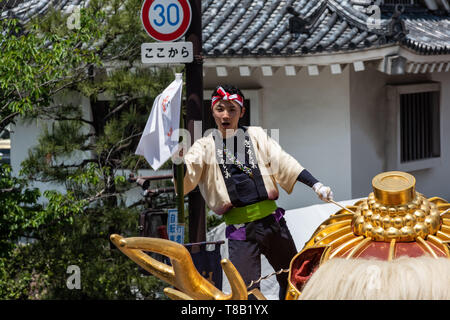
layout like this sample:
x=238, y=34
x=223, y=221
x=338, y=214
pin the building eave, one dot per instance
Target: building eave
x=380, y=58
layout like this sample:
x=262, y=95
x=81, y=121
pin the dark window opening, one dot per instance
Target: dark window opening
x=419, y=126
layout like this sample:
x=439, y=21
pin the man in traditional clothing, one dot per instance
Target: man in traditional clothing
x=237, y=170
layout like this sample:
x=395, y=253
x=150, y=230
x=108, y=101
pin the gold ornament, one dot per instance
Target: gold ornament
x=394, y=213
x=182, y=274
x=396, y=205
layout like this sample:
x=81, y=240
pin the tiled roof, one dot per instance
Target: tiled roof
x=428, y=34
x=261, y=27
x=26, y=9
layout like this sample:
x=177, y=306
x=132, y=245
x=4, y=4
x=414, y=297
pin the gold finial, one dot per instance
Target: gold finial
x=395, y=210
x=394, y=187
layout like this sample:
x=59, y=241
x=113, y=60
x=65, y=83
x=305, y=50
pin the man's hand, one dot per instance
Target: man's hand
x=323, y=192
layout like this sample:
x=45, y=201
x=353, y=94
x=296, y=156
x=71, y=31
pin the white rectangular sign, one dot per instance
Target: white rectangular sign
x=167, y=52
x=175, y=230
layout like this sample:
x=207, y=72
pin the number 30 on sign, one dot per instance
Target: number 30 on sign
x=166, y=20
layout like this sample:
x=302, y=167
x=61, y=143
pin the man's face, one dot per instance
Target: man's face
x=227, y=115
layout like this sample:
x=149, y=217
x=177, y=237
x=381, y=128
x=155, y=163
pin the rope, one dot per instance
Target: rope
x=267, y=276
x=445, y=212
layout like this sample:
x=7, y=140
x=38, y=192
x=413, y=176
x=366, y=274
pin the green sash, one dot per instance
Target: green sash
x=250, y=213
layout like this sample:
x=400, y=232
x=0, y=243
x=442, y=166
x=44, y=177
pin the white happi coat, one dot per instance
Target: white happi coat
x=202, y=169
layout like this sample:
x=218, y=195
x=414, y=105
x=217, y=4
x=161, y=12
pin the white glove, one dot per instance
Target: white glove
x=323, y=192
x=178, y=155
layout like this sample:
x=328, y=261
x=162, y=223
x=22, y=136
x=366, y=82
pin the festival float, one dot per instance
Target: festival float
x=394, y=244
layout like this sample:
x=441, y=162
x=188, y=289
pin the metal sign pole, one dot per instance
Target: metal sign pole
x=194, y=107
x=158, y=25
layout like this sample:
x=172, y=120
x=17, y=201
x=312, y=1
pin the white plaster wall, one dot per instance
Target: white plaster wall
x=367, y=113
x=436, y=181
x=368, y=132
x=312, y=115
x=26, y=134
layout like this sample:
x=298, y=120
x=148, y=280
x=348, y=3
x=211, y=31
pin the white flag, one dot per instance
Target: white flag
x=160, y=137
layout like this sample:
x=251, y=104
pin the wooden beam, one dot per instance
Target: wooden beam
x=244, y=71
x=313, y=70
x=267, y=71
x=221, y=71
x=432, y=67
x=448, y=67
x=335, y=68
x=290, y=71
x=417, y=68
x=358, y=66
x=424, y=68
x=410, y=67
x=315, y=59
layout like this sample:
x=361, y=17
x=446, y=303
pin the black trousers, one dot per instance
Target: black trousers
x=270, y=238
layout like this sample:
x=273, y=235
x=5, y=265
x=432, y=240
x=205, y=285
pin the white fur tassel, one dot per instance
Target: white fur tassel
x=370, y=279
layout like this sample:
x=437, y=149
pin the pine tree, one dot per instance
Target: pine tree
x=84, y=156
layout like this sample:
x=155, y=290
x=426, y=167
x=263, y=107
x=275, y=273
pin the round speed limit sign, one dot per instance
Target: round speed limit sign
x=166, y=20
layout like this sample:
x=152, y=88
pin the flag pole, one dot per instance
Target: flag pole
x=180, y=176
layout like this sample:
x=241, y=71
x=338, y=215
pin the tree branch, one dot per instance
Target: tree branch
x=5, y=121
x=67, y=166
x=119, y=107
x=119, y=142
x=60, y=118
